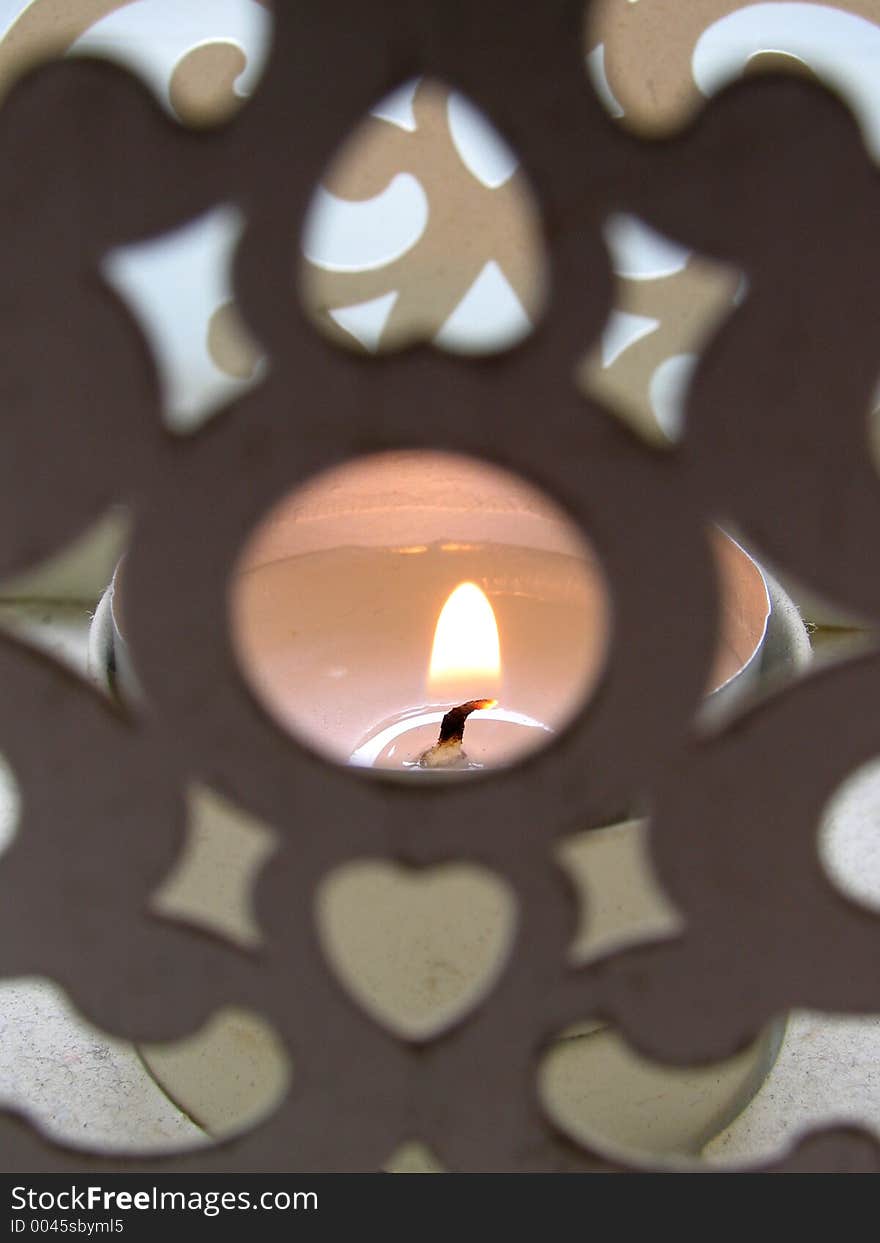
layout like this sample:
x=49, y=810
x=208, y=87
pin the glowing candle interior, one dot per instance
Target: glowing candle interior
x=384, y=592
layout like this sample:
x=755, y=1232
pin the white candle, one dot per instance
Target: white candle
x=399, y=586
x=396, y=586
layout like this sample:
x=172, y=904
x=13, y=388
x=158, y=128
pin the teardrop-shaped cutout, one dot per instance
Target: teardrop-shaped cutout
x=424, y=229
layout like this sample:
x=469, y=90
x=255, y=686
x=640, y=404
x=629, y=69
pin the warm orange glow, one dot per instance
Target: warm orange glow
x=466, y=646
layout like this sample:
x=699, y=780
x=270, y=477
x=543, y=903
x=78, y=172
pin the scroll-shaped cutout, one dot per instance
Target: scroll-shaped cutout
x=212, y=883
x=201, y=61
x=834, y=42
x=179, y=288
x=425, y=229
x=599, y=1092
x=418, y=950
x=226, y=1077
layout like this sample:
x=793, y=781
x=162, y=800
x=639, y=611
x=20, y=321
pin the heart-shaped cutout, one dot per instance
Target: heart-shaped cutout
x=424, y=229
x=417, y=949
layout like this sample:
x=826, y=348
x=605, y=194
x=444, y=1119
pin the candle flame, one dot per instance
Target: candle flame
x=466, y=646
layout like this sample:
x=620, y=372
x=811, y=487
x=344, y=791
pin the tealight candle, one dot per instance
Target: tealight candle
x=395, y=587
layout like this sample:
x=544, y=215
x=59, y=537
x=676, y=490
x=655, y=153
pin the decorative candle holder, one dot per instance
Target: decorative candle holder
x=756, y=185
x=333, y=607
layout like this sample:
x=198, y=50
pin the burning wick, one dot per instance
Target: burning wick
x=447, y=751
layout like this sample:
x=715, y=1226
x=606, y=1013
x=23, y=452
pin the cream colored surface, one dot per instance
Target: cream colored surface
x=77, y=1084
x=600, y=1091
x=227, y=1076
x=620, y=900
x=418, y=950
x=212, y=883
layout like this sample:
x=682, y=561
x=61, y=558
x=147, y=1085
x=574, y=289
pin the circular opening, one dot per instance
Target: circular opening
x=394, y=588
